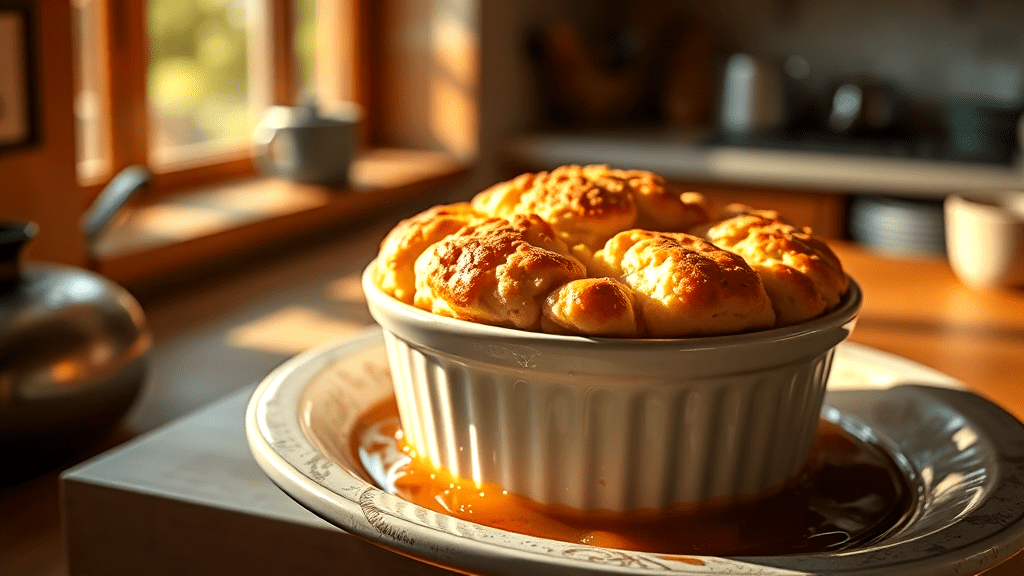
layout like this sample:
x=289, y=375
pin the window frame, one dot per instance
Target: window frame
x=123, y=70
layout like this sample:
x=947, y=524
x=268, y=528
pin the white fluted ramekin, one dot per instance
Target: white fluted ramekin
x=607, y=423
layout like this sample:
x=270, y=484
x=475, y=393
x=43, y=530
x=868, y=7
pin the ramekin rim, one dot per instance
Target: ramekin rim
x=847, y=309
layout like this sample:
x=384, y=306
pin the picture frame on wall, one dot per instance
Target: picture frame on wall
x=19, y=122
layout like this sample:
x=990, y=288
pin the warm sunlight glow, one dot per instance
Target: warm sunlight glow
x=68, y=370
x=178, y=222
x=453, y=116
x=474, y=455
x=455, y=50
x=290, y=331
x=268, y=197
x=453, y=113
x=346, y=289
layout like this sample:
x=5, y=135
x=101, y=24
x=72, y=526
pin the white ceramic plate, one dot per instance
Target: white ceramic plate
x=964, y=456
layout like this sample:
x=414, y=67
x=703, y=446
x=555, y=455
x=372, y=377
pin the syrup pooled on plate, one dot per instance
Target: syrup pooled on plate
x=851, y=494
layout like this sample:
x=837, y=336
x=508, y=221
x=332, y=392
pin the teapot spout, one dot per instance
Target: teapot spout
x=14, y=235
x=112, y=198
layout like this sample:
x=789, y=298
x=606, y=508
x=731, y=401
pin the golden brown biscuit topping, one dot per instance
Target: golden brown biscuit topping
x=802, y=275
x=591, y=306
x=686, y=285
x=598, y=251
x=496, y=272
x=589, y=204
x=403, y=245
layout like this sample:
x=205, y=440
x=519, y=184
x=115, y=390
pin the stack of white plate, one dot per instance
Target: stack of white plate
x=896, y=225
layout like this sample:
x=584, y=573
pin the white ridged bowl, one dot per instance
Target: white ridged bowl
x=607, y=423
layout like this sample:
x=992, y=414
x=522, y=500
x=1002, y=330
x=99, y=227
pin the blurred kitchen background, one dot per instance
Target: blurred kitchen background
x=891, y=106
x=880, y=108
x=857, y=118
x=854, y=117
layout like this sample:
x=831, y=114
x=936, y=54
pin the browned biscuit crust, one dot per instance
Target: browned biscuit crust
x=495, y=272
x=598, y=251
x=662, y=209
x=686, y=286
x=591, y=307
x=394, y=272
x=589, y=204
x=801, y=274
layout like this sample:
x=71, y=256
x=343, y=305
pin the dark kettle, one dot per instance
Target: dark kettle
x=73, y=351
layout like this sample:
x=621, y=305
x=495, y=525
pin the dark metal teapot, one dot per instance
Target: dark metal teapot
x=73, y=354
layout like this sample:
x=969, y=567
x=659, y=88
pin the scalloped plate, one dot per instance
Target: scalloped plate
x=963, y=454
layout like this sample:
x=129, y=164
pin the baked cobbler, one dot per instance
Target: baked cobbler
x=597, y=251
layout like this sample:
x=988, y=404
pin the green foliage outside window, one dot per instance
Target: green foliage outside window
x=198, y=73
x=305, y=43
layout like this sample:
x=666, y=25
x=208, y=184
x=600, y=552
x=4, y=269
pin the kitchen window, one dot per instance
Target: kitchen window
x=179, y=85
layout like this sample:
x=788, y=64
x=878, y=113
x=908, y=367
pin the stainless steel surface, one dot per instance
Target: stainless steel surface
x=865, y=106
x=753, y=99
x=73, y=350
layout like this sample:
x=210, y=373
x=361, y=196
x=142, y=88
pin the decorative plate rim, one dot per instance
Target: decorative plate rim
x=342, y=497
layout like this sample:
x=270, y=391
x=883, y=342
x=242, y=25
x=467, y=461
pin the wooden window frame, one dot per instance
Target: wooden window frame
x=124, y=38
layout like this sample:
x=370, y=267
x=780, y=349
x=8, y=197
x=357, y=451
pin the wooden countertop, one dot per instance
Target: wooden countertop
x=916, y=308
x=913, y=307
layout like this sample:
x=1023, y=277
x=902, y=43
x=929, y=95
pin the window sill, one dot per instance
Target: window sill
x=157, y=238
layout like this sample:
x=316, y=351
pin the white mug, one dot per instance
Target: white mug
x=985, y=238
